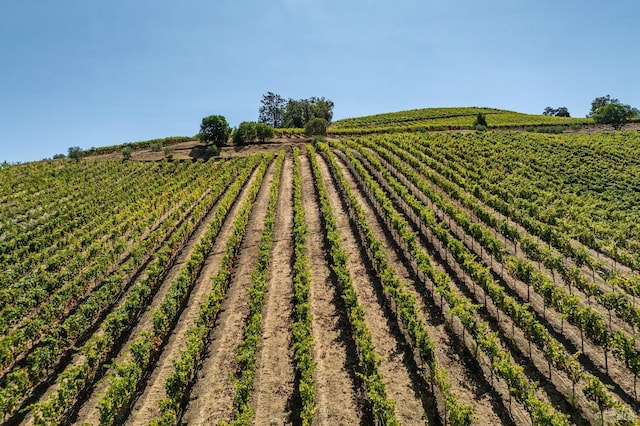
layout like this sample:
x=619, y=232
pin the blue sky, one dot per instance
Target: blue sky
x=92, y=73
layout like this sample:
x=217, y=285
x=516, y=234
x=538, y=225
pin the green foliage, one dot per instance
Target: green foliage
x=298, y=113
x=272, y=110
x=264, y=132
x=615, y=114
x=431, y=119
x=556, y=112
x=316, y=126
x=76, y=153
x=59, y=156
x=213, y=151
x=600, y=102
x=215, y=129
x=481, y=120
x=153, y=144
x=126, y=152
x=246, y=132
x=546, y=129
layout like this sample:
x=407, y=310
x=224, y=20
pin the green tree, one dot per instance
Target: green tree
x=126, y=152
x=615, y=114
x=316, y=126
x=245, y=132
x=215, y=129
x=264, y=132
x=298, y=113
x=556, y=112
x=481, y=122
x=272, y=110
x=76, y=153
x=600, y=102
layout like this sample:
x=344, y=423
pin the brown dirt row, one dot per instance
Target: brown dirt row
x=89, y=411
x=336, y=393
x=146, y=407
x=513, y=412
x=402, y=383
x=466, y=383
x=274, y=380
x=520, y=341
x=212, y=395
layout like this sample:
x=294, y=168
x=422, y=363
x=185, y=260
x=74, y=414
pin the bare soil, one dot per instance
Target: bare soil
x=398, y=375
x=212, y=395
x=274, y=381
x=337, y=397
x=466, y=383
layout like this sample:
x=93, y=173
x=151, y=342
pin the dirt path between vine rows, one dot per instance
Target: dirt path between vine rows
x=336, y=394
x=274, y=381
x=466, y=383
x=212, y=395
x=398, y=377
x=146, y=407
x=89, y=412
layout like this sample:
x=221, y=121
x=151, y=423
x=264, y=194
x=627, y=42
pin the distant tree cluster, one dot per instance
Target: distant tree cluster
x=556, y=112
x=248, y=131
x=277, y=112
x=608, y=110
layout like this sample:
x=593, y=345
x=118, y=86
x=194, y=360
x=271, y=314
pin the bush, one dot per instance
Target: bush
x=168, y=152
x=246, y=132
x=316, y=126
x=481, y=120
x=76, y=153
x=479, y=127
x=59, y=156
x=264, y=132
x=126, y=152
x=156, y=146
x=212, y=151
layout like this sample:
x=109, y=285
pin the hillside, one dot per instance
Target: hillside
x=402, y=278
x=446, y=119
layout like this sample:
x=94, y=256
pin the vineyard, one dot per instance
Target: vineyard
x=428, y=119
x=405, y=278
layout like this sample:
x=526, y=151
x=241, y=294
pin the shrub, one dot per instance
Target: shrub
x=213, y=151
x=264, y=132
x=316, y=126
x=76, y=153
x=156, y=146
x=245, y=132
x=126, y=152
x=481, y=120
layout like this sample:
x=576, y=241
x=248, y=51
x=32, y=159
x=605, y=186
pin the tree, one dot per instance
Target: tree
x=615, y=114
x=215, y=129
x=556, y=112
x=272, y=110
x=600, y=102
x=481, y=120
x=245, y=132
x=316, y=126
x=76, y=153
x=264, y=132
x=298, y=113
x=126, y=152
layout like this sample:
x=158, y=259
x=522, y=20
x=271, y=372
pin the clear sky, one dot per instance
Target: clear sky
x=92, y=73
